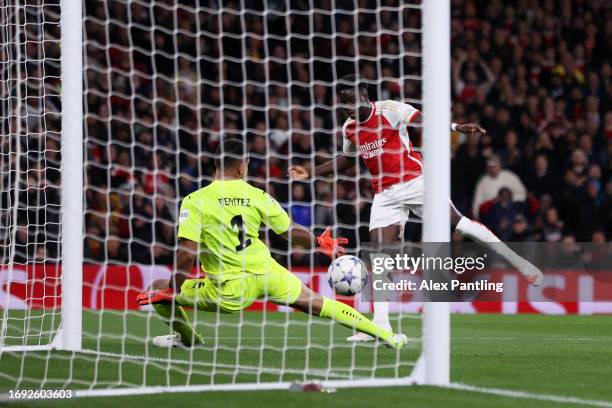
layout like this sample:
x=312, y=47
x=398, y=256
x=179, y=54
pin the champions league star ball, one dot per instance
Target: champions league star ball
x=347, y=275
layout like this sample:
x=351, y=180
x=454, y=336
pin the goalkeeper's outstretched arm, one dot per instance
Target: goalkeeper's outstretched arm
x=324, y=242
x=164, y=290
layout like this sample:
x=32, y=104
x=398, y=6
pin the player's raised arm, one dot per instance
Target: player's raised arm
x=468, y=128
x=415, y=117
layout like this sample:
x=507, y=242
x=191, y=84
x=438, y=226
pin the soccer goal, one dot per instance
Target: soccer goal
x=110, y=113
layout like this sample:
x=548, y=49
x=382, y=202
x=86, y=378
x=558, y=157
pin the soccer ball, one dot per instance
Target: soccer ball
x=347, y=275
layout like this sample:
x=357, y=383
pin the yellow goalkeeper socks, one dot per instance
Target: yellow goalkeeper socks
x=179, y=323
x=349, y=317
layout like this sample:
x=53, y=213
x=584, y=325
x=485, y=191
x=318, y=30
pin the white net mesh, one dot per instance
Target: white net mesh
x=30, y=172
x=164, y=81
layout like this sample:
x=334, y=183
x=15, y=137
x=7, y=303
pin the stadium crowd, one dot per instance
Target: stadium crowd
x=163, y=83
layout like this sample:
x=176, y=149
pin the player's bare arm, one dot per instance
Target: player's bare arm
x=470, y=129
x=339, y=163
x=354, y=103
x=465, y=128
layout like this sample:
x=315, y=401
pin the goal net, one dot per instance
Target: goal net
x=30, y=179
x=162, y=83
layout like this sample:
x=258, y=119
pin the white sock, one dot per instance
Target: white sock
x=481, y=234
x=475, y=231
x=381, y=314
x=381, y=309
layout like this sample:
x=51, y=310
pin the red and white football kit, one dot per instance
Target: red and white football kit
x=383, y=142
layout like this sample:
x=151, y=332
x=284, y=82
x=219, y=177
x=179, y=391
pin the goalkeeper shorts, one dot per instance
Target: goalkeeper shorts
x=231, y=296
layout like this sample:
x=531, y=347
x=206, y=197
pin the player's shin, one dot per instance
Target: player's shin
x=179, y=323
x=381, y=314
x=381, y=308
x=349, y=317
x=484, y=236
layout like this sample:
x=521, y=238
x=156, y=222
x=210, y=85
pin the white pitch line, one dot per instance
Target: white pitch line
x=529, y=395
x=271, y=370
x=535, y=338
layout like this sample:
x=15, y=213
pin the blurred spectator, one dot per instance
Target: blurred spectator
x=116, y=251
x=510, y=155
x=468, y=82
x=299, y=209
x=537, y=75
x=552, y=227
x=520, y=230
x=499, y=214
x=258, y=156
x=592, y=206
x=280, y=133
x=324, y=209
x=541, y=179
x=140, y=215
x=598, y=236
x=489, y=185
x=467, y=167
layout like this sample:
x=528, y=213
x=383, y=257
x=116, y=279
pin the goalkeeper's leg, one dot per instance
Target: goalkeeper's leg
x=176, y=317
x=281, y=286
x=315, y=304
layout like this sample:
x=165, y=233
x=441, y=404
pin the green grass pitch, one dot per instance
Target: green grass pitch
x=567, y=356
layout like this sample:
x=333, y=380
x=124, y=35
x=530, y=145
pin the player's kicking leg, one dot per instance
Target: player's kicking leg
x=482, y=235
x=390, y=211
x=317, y=305
x=175, y=316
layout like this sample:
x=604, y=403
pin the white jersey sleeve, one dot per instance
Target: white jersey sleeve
x=347, y=146
x=398, y=113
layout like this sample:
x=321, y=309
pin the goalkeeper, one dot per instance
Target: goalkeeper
x=221, y=222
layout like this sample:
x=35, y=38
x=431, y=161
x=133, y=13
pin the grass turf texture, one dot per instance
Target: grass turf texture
x=559, y=355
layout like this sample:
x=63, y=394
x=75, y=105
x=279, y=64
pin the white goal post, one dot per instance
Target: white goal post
x=436, y=149
x=72, y=171
x=69, y=334
x=433, y=365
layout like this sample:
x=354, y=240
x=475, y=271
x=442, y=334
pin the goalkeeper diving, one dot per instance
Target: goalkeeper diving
x=221, y=223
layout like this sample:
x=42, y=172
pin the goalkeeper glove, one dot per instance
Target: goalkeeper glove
x=155, y=296
x=330, y=246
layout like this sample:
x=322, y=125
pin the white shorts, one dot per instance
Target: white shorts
x=394, y=205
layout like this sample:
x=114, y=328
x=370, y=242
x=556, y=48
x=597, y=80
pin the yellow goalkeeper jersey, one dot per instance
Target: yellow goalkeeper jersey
x=224, y=218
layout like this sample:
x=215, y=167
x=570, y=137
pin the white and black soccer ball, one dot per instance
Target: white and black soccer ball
x=347, y=275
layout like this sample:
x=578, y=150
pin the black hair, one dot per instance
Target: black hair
x=350, y=82
x=230, y=153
